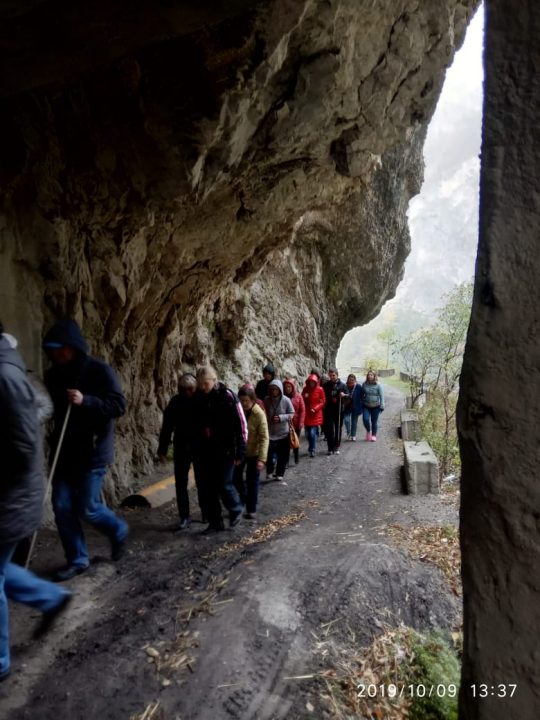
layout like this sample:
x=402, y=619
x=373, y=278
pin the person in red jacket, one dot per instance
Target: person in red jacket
x=289, y=389
x=314, y=401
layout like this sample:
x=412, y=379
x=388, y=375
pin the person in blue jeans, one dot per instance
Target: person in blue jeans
x=354, y=407
x=93, y=391
x=21, y=497
x=373, y=400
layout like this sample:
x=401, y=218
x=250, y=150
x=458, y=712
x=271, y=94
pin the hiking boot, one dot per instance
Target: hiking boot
x=49, y=617
x=368, y=437
x=69, y=572
x=373, y=438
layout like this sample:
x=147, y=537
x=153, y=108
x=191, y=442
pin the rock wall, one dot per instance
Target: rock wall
x=226, y=184
x=500, y=512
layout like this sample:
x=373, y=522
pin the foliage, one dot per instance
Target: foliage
x=392, y=674
x=388, y=338
x=372, y=363
x=438, y=428
x=436, y=666
x=432, y=357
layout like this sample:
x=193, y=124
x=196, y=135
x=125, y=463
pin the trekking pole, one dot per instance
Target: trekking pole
x=49, y=481
x=339, y=423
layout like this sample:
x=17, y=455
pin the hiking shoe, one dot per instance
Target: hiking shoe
x=181, y=525
x=373, y=438
x=49, y=617
x=368, y=437
x=69, y=572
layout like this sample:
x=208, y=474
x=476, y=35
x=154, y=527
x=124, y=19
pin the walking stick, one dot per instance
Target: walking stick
x=339, y=424
x=49, y=481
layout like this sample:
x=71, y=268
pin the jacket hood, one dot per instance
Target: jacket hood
x=9, y=355
x=276, y=383
x=312, y=377
x=269, y=368
x=291, y=382
x=65, y=332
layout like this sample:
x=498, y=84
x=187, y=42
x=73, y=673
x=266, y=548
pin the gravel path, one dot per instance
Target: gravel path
x=213, y=627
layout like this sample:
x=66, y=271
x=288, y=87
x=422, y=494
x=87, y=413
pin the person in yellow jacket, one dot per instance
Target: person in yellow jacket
x=256, y=453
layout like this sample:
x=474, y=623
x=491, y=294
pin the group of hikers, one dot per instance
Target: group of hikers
x=229, y=438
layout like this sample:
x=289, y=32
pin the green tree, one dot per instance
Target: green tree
x=432, y=358
x=388, y=338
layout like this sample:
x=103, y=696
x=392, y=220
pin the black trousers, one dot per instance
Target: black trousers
x=183, y=457
x=332, y=429
x=281, y=449
x=216, y=485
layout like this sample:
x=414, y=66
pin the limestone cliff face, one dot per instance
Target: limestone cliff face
x=226, y=184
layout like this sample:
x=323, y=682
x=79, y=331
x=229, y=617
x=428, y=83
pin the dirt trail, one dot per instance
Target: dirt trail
x=232, y=624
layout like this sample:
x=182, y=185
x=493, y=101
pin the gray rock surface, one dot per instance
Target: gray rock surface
x=226, y=184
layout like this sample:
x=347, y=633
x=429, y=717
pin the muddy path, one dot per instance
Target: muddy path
x=234, y=625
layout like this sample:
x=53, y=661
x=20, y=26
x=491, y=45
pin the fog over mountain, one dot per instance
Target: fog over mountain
x=443, y=218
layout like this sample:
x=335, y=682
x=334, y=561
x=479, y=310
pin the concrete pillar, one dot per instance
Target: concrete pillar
x=410, y=425
x=421, y=468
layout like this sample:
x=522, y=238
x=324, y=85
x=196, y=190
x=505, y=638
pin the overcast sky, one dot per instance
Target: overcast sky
x=443, y=218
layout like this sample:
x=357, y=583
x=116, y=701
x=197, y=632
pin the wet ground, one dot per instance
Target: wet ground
x=235, y=625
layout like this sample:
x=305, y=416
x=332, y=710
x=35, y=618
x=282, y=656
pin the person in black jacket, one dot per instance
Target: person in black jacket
x=178, y=424
x=92, y=390
x=261, y=389
x=220, y=444
x=335, y=390
x=21, y=496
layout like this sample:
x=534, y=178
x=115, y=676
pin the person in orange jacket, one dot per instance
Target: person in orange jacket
x=314, y=401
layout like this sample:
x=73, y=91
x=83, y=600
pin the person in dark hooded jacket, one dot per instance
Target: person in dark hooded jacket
x=21, y=496
x=93, y=391
x=261, y=389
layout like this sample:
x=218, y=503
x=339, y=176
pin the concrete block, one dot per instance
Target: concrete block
x=410, y=425
x=421, y=468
